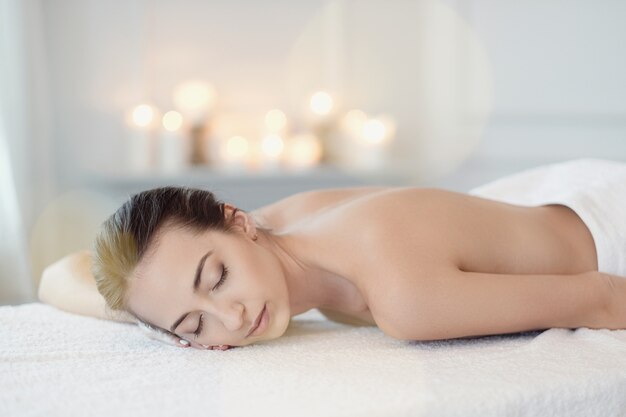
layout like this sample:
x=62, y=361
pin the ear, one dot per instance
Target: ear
x=240, y=220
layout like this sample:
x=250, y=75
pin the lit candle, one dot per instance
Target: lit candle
x=272, y=149
x=303, y=152
x=374, y=139
x=323, y=110
x=321, y=104
x=174, y=145
x=141, y=144
x=235, y=153
x=352, y=123
x=275, y=121
x=369, y=139
x=195, y=99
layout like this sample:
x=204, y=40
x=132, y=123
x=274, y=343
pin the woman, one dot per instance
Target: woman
x=419, y=263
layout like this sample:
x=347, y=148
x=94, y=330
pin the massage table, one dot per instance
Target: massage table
x=54, y=363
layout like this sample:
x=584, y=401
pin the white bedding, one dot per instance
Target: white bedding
x=53, y=363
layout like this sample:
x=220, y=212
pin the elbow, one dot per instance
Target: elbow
x=58, y=275
x=397, y=334
x=409, y=328
x=415, y=322
x=424, y=333
x=45, y=286
x=50, y=282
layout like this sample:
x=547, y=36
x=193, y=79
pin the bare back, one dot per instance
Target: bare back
x=407, y=233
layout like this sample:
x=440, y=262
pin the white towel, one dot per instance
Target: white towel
x=53, y=363
x=594, y=188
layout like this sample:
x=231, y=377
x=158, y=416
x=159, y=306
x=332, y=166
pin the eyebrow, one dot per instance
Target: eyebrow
x=196, y=284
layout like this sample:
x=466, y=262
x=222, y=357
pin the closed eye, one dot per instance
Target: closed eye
x=220, y=282
x=199, y=329
x=223, y=278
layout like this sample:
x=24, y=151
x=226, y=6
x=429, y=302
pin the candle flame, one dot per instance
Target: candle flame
x=172, y=121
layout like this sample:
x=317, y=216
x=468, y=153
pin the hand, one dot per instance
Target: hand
x=163, y=337
x=185, y=343
x=175, y=340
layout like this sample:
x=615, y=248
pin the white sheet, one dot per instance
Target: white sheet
x=53, y=363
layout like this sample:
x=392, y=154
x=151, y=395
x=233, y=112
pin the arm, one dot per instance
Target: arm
x=463, y=304
x=69, y=285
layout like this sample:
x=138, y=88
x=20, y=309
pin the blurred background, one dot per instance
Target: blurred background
x=257, y=100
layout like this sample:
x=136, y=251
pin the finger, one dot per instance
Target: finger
x=223, y=347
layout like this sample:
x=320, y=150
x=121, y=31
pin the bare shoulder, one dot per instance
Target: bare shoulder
x=407, y=218
x=390, y=226
x=296, y=207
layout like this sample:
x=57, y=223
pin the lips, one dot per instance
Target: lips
x=256, y=322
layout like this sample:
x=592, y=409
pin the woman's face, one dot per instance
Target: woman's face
x=237, y=276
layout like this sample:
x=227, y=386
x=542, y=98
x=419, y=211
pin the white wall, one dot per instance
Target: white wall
x=559, y=71
x=551, y=82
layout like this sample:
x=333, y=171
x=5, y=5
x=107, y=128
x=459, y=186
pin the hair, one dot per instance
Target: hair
x=131, y=233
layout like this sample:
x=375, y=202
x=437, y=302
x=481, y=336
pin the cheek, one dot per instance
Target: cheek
x=262, y=267
x=262, y=273
x=271, y=276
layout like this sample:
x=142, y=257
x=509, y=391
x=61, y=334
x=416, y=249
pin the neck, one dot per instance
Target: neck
x=308, y=283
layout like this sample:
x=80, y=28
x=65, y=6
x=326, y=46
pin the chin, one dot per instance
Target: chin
x=277, y=326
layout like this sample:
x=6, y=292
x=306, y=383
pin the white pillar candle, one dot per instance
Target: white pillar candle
x=235, y=154
x=141, y=151
x=272, y=151
x=141, y=141
x=322, y=115
x=303, y=152
x=174, y=146
x=370, y=157
x=372, y=143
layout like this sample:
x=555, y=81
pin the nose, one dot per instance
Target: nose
x=231, y=316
